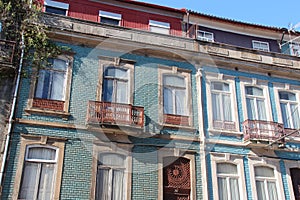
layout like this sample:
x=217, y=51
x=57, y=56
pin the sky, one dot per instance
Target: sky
x=275, y=13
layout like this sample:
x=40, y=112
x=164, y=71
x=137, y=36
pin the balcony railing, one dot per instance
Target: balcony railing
x=115, y=113
x=224, y=125
x=7, y=49
x=263, y=130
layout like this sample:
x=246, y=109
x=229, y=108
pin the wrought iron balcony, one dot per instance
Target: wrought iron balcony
x=115, y=114
x=7, y=49
x=262, y=130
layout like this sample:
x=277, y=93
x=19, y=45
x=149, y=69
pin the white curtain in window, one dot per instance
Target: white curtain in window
x=295, y=116
x=272, y=191
x=41, y=153
x=103, y=186
x=168, y=101
x=122, y=92
x=261, y=193
x=251, y=109
x=261, y=109
x=234, y=189
x=29, y=181
x=222, y=186
x=118, y=188
x=58, y=86
x=46, y=182
x=180, y=102
x=227, y=108
x=42, y=84
x=284, y=112
x=216, y=102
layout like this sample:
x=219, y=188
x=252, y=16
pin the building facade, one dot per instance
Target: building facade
x=153, y=102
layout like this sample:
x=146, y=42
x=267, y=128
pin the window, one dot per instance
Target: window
x=39, y=173
x=295, y=176
x=206, y=36
x=159, y=27
x=39, y=170
x=174, y=95
x=110, y=18
x=289, y=110
x=295, y=49
x=258, y=45
x=56, y=7
x=221, y=105
x=115, y=86
x=50, y=89
x=265, y=183
x=110, y=177
x=255, y=102
x=228, y=178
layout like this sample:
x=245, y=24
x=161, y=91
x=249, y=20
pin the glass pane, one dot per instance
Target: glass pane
x=168, y=101
x=46, y=182
x=287, y=96
x=59, y=64
x=250, y=90
x=180, y=102
x=103, y=185
x=216, y=107
x=272, y=191
x=174, y=81
x=54, y=10
x=220, y=86
x=41, y=153
x=116, y=72
x=260, y=189
x=29, y=181
x=234, y=189
x=110, y=159
x=227, y=108
x=43, y=84
x=250, y=108
x=226, y=168
x=284, y=112
x=261, y=109
x=58, y=86
x=264, y=172
x=118, y=185
x=122, y=92
x=222, y=187
x=108, y=90
x=295, y=116
x=111, y=21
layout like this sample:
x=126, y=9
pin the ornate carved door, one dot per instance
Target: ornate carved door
x=295, y=175
x=176, y=178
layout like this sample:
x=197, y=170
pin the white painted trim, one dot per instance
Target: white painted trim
x=56, y=4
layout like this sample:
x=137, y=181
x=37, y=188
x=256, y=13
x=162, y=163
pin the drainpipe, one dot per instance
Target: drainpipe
x=10, y=121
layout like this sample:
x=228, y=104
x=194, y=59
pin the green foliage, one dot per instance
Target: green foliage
x=23, y=17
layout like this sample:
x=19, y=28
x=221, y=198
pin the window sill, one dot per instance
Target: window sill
x=177, y=127
x=62, y=114
x=213, y=132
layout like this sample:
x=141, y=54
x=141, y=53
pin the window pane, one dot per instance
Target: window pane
x=295, y=116
x=284, y=112
x=118, y=182
x=110, y=159
x=58, y=86
x=54, y=10
x=106, y=20
x=227, y=108
x=222, y=187
x=264, y=172
x=261, y=109
x=108, y=90
x=220, y=86
x=226, y=168
x=29, y=181
x=122, y=92
x=116, y=72
x=261, y=193
x=234, y=189
x=287, y=96
x=250, y=90
x=59, y=64
x=251, y=109
x=180, y=102
x=168, y=101
x=216, y=107
x=46, y=182
x=43, y=84
x=103, y=185
x=174, y=81
x=41, y=153
x=272, y=191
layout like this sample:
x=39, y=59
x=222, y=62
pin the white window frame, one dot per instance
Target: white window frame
x=204, y=37
x=167, y=70
x=166, y=152
x=161, y=25
x=260, y=84
x=266, y=162
x=56, y=4
x=258, y=45
x=110, y=15
x=235, y=159
x=101, y=147
x=214, y=77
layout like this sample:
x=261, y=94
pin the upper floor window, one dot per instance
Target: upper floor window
x=265, y=183
x=110, y=18
x=115, y=85
x=255, y=101
x=259, y=45
x=289, y=110
x=295, y=49
x=56, y=7
x=206, y=36
x=221, y=103
x=38, y=179
x=228, y=181
x=174, y=93
x=159, y=27
x=110, y=182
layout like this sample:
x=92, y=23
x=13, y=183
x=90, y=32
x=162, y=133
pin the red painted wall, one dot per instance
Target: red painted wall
x=87, y=10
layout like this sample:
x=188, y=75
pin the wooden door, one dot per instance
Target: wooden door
x=176, y=178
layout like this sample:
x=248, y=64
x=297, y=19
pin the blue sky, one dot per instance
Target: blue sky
x=264, y=12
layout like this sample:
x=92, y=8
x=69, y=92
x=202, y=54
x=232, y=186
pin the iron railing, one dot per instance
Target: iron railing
x=7, y=49
x=115, y=113
x=262, y=130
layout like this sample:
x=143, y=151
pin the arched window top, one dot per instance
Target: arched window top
x=263, y=171
x=115, y=72
x=111, y=159
x=221, y=86
x=287, y=96
x=252, y=90
x=173, y=80
x=45, y=153
x=226, y=168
